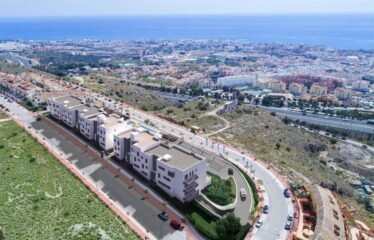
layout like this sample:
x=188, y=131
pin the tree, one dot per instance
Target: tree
x=228, y=227
x=1, y=235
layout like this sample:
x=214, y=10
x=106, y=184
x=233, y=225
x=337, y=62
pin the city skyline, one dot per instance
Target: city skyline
x=60, y=8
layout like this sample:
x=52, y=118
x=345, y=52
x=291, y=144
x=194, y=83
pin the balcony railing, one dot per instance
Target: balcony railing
x=190, y=180
x=190, y=196
x=190, y=187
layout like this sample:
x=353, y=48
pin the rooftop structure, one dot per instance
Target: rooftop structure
x=175, y=156
x=68, y=101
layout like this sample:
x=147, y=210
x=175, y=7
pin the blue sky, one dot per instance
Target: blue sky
x=37, y=8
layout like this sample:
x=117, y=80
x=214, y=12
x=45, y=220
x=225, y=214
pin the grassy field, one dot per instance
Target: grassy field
x=192, y=114
x=128, y=93
x=220, y=191
x=41, y=199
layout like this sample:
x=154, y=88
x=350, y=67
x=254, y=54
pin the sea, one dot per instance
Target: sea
x=350, y=32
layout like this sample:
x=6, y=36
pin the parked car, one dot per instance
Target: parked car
x=259, y=223
x=266, y=209
x=286, y=193
x=288, y=225
x=290, y=217
x=243, y=193
x=175, y=224
x=364, y=146
x=163, y=216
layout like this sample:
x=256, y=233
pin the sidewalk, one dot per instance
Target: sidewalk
x=147, y=193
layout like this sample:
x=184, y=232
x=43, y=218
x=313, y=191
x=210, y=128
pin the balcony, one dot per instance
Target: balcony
x=190, y=187
x=190, y=180
x=190, y=196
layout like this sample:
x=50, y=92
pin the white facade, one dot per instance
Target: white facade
x=87, y=123
x=177, y=171
x=296, y=88
x=62, y=109
x=318, y=90
x=108, y=127
x=277, y=86
x=233, y=81
x=342, y=93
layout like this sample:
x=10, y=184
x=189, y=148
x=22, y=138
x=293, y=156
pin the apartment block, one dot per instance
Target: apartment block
x=318, y=90
x=62, y=108
x=107, y=127
x=277, y=86
x=296, y=88
x=176, y=170
x=87, y=121
x=343, y=93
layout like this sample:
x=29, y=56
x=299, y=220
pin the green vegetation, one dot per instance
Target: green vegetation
x=41, y=199
x=213, y=228
x=3, y=115
x=11, y=68
x=133, y=95
x=259, y=132
x=355, y=114
x=220, y=191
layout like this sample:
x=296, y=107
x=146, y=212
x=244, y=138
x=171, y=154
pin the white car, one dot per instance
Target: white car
x=259, y=223
x=243, y=193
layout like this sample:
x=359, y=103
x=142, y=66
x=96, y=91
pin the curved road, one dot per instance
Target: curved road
x=280, y=207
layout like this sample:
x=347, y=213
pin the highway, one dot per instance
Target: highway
x=335, y=122
x=280, y=207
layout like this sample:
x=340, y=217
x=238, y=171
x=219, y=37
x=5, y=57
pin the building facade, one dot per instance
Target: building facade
x=318, y=90
x=62, y=108
x=177, y=171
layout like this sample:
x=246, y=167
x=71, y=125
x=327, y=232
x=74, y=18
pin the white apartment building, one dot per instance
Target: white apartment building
x=233, y=81
x=343, y=93
x=87, y=121
x=277, y=86
x=318, y=90
x=107, y=127
x=177, y=171
x=296, y=88
x=62, y=109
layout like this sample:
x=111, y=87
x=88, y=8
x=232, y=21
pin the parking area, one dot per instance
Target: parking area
x=125, y=196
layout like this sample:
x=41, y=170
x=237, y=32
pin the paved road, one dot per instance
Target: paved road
x=220, y=167
x=129, y=200
x=336, y=122
x=280, y=207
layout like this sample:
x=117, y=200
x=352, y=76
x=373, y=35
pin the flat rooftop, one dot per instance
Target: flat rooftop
x=146, y=139
x=87, y=110
x=180, y=158
x=69, y=101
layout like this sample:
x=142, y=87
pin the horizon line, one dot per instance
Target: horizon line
x=191, y=15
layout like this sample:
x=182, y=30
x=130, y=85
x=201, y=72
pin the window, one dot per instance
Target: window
x=186, y=177
x=167, y=179
x=161, y=168
x=158, y=175
x=170, y=174
x=163, y=184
